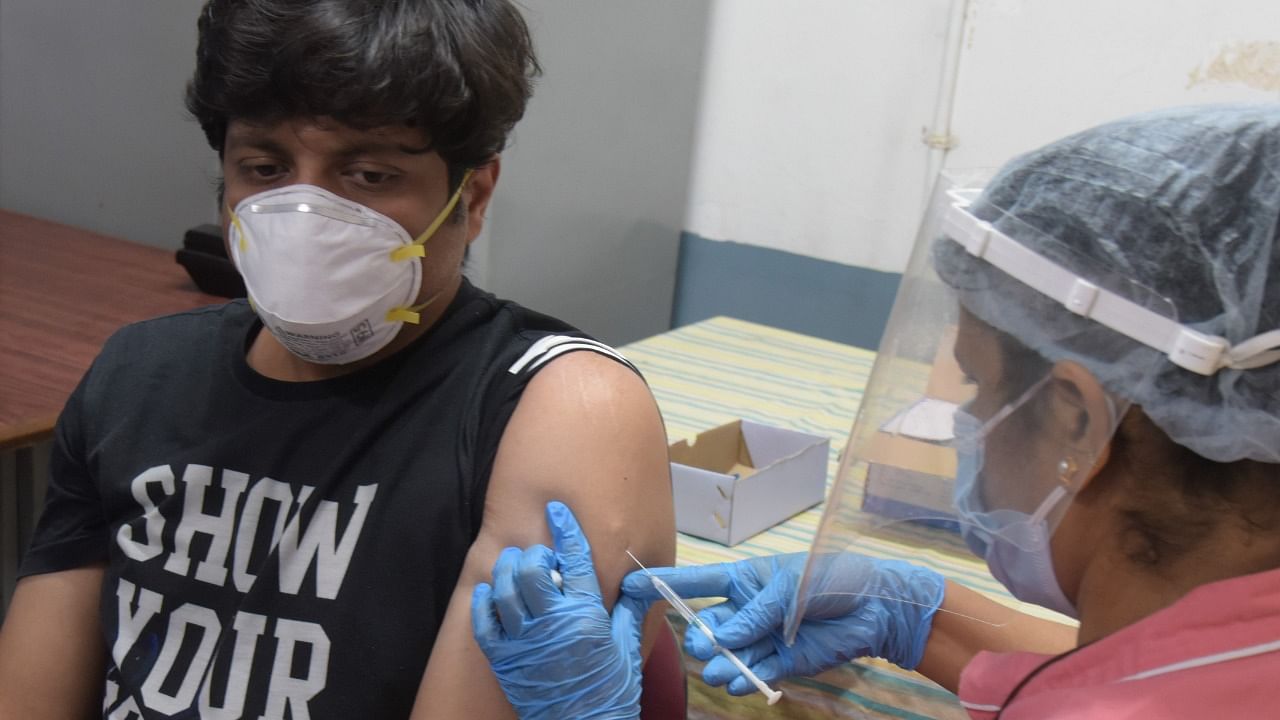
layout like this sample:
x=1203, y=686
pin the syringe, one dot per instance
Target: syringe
x=692, y=618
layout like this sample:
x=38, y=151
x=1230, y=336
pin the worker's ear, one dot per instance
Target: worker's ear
x=1083, y=414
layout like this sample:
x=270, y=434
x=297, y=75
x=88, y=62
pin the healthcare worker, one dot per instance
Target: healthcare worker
x=1114, y=300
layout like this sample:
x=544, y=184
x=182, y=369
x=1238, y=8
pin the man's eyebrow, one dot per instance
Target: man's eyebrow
x=375, y=147
x=255, y=142
x=410, y=150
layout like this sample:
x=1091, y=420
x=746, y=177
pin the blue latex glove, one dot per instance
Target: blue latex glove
x=557, y=653
x=858, y=607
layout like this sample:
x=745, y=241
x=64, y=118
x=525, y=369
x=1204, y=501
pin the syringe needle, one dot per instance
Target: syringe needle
x=636, y=560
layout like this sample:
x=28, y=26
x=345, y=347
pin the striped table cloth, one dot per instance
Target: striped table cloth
x=722, y=369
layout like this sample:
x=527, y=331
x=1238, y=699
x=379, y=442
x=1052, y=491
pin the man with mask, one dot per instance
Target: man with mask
x=278, y=508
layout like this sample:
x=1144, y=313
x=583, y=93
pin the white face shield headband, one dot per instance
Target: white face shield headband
x=1185, y=347
x=334, y=281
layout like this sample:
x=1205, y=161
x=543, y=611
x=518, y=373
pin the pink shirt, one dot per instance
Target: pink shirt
x=1213, y=654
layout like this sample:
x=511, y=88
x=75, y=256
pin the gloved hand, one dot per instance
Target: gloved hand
x=558, y=654
x=858, y=606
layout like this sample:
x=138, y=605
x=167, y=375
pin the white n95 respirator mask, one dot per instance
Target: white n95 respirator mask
x=333, y=280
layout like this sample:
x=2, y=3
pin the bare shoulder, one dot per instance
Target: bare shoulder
x=587, y=388
x=592, y=377
x=586, y=432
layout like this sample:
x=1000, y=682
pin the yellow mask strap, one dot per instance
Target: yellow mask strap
x=418, y=248
x=411, y=314
x=235, y=220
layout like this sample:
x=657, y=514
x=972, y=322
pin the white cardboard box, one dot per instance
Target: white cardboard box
x=743, y=477
x=910, y=478
x=911, y=468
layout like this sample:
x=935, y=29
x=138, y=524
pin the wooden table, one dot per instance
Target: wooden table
x=63, y=291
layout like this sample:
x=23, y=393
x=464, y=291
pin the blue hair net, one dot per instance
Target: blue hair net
x=1183, y=202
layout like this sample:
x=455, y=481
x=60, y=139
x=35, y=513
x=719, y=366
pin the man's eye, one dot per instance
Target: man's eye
x=264, y=170
x=371, y=177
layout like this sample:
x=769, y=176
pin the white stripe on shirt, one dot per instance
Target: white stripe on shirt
x=552, y=346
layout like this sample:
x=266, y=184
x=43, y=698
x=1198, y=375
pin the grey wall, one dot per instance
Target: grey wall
x=92, y=129
x=590, y=204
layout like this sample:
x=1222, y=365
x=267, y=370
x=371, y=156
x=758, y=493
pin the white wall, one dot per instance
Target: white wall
x=1034, y=70
x=810, y=123
x=809, y=139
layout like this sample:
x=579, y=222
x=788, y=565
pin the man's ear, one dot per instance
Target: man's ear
x=1085, y=415
x=478, y=193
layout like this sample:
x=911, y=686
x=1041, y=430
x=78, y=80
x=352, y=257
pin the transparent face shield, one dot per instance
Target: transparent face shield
x=968, y=441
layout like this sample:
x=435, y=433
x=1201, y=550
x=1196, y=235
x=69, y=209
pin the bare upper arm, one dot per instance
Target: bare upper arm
x=586, y=432
x=52, y=657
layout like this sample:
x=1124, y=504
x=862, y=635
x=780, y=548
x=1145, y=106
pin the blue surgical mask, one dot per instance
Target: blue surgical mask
x=1014, y=544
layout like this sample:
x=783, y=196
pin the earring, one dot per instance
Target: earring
x=1066, y=470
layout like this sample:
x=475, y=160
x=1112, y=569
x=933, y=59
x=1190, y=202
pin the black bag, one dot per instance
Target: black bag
x=204, y=255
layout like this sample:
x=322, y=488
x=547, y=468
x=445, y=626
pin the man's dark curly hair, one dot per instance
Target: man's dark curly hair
x=462, y=70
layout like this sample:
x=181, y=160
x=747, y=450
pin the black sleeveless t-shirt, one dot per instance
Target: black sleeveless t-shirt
x=281, y=550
